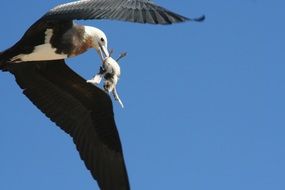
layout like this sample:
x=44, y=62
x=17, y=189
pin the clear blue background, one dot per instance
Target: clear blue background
x=204, y=102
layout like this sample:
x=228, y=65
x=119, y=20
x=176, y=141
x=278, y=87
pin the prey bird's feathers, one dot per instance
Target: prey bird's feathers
x=83, y=111
x=140, y=11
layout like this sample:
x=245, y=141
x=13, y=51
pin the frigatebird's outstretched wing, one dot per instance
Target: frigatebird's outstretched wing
x=83, y=111
x=141, y=11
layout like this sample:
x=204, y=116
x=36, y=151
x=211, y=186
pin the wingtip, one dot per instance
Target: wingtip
x=199, y=19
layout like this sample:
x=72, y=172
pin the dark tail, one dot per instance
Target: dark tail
x=3, y=62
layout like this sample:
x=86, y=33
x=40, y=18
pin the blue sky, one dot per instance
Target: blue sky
x=204, y=102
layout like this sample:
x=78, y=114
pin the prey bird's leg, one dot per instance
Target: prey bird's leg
x=123, y=54
x=116, y=97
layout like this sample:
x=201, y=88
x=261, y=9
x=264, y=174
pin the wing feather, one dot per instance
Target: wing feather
x=125, y=10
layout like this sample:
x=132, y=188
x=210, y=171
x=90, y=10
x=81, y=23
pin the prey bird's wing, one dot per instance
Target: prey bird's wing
x=83, y=111
x=140, y=11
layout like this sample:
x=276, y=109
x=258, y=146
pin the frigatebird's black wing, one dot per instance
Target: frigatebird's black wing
x=141, y=11
x=83, y=111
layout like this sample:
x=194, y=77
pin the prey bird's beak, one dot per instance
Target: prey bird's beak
x=103, y=52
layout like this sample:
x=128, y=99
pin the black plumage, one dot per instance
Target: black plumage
x=83, y=111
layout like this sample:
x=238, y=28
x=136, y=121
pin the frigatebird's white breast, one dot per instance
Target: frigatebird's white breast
x=82, y=110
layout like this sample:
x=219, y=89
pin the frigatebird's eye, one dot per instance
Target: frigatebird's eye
x=102, y=40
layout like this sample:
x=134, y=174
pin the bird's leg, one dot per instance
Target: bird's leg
x=123, y=54
x=116, y=96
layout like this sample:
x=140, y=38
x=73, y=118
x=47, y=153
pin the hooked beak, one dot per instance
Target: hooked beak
x=103, y=52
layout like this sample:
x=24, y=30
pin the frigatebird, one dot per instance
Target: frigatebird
x=82, y=110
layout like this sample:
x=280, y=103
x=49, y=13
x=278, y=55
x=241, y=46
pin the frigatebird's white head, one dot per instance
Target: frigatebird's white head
x=99, y=41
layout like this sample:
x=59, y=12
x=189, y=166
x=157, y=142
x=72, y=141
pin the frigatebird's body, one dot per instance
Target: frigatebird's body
x=82, y=110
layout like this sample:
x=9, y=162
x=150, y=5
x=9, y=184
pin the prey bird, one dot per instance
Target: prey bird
x=82, y=110
x=110, y=71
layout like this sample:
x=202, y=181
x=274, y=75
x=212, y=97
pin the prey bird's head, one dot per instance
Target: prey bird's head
x=99, y=41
